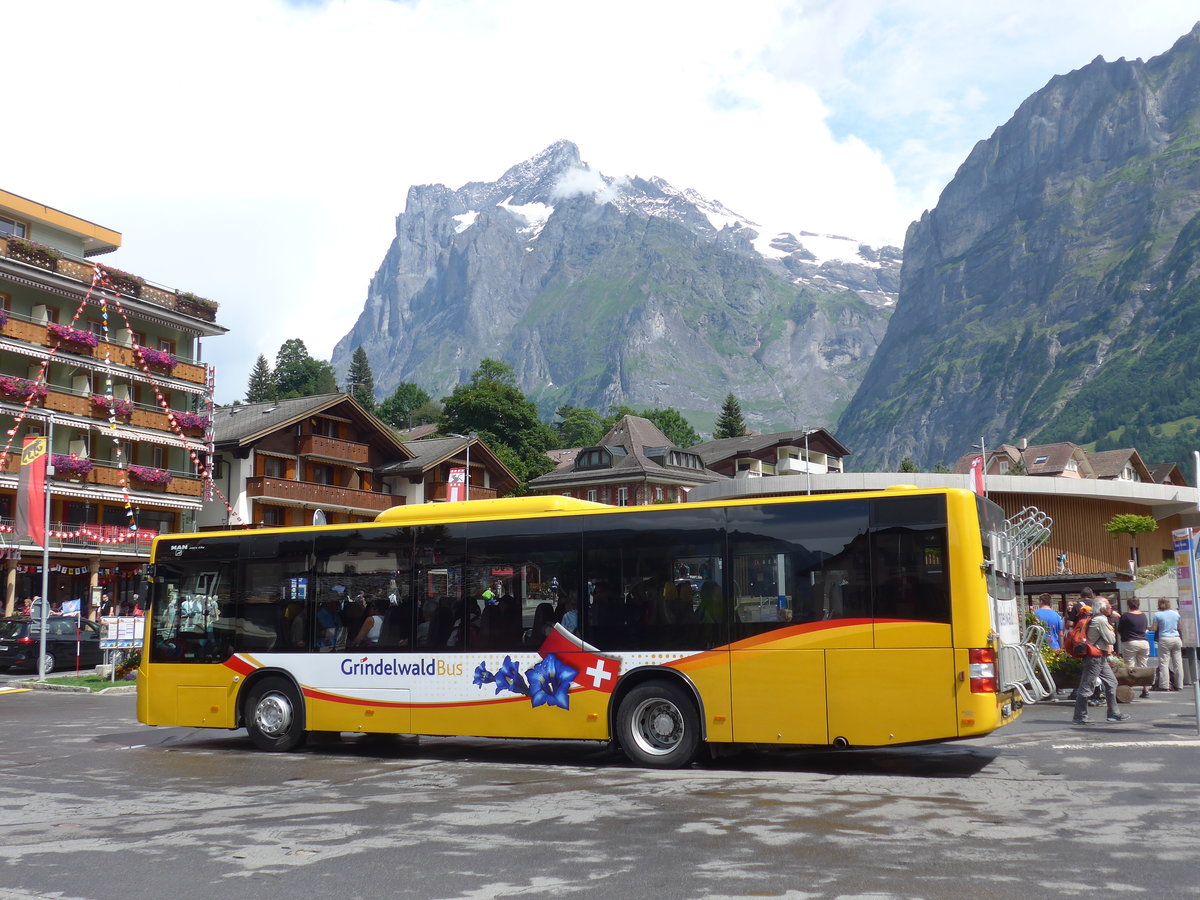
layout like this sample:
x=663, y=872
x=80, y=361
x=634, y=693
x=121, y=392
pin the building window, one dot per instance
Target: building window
x=166, y=346
x=591, y=494
x=272, y=515
x=5, y=301
x=622, y=496
x=274, y=467
x=1004, y=467
x=1041, y=460
x=320, y=474
x=78, y=512
x=139, y=337
x=658, y=493
x=12, y=226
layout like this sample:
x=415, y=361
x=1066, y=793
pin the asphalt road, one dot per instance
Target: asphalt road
x=96, y=806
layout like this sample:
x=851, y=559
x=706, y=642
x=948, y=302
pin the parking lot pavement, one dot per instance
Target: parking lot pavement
x=97, y=806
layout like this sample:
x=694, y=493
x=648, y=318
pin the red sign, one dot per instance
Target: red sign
x=456, y=487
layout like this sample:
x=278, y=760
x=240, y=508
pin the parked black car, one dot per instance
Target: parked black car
x=20, y=640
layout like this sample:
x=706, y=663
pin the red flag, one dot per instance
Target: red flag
x=596, y=672
x=977, y=475
x=31, y=491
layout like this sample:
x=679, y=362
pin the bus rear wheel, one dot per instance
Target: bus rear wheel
x=274, y=716
x=658, y=726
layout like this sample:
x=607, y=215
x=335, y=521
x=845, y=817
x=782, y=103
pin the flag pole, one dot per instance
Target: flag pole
x=46, y=551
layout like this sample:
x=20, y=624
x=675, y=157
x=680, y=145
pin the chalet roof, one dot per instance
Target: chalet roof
x=1109, y=464
x=1053, y=458
x=1167, y=473
x=432, y=452
x=628, y=441
x=748, y=444
x=238, y=426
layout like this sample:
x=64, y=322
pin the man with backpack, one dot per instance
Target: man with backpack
x=1096, y=646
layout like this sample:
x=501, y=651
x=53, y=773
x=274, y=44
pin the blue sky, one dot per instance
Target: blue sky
x=257, y=151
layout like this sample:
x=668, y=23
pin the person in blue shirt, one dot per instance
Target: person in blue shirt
x=1051, y=621
x=1170, y=647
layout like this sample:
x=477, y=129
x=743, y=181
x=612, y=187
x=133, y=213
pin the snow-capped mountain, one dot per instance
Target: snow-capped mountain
x=601, y=290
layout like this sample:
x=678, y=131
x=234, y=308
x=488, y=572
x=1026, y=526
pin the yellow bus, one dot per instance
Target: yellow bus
x=850, y=620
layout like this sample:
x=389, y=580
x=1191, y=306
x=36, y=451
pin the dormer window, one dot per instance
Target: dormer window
x=595, y=458
x=1041, y=460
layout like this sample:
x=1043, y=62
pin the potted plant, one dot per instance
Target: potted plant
x=123, y=409
x=160, y=358
x=34, y=254
x=22, y=388
x=69, y=335
x=1064, y=668
x=194, y=305
x=150, y=475
x=190, y=421
x=70, y=466
x=123, y=282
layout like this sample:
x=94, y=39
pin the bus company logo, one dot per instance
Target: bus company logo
x=429, y=668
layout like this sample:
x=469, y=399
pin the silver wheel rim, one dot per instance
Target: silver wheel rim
x=273, y=715
x=48, y=663
x=658, y=726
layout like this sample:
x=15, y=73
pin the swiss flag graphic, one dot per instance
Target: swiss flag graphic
x=596, y=672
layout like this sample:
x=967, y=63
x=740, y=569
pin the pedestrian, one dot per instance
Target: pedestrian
x=1051, y=621
x=1131, y=629
x=1170, y=647
x=1095, y=666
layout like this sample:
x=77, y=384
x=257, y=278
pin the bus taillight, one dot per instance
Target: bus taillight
x=983, y=671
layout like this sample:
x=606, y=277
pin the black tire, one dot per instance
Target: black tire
x=658, y=726
x=274, y=716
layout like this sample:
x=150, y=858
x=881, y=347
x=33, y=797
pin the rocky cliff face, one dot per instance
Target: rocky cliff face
x=1052, y=292
x=601, y=291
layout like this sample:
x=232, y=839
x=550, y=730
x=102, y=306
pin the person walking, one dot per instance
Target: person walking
x=1051, y=621
x=1131, y=629
x=1095, y=666
x=1170, y=647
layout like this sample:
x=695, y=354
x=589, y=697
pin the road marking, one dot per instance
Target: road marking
x=1132, y=744
x=14, y=690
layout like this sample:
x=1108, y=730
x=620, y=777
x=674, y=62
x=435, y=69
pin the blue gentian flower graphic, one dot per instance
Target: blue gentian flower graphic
x=483, y=676
x=508, y=678
x=549, y=682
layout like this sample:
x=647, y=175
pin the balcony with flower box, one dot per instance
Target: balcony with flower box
x=124, y=283
x=80, y=470
x=155, y=360
x=310, y=493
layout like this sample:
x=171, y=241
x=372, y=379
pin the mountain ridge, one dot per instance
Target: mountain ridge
x=602, y=291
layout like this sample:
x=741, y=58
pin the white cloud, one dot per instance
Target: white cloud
x=579, y=182
x=257, y=152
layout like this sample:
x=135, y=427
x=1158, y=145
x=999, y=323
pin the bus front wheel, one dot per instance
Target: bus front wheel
x=274, y=716
x=658, y=726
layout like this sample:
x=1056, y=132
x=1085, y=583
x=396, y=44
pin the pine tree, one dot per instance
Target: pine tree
x=359, y=381
x=730, y=423
x=261, y=386
x=299, y=375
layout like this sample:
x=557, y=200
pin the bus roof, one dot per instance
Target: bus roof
x=485, y=509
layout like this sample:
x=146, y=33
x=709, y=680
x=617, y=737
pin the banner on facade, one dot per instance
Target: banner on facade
x=31, y=491
x=456, y=487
